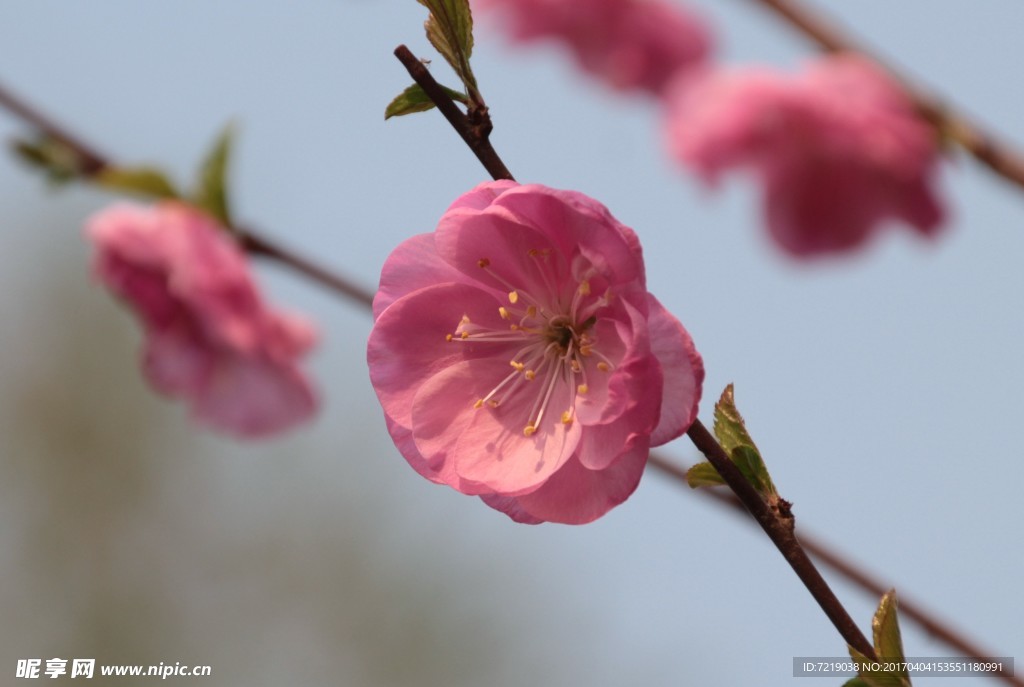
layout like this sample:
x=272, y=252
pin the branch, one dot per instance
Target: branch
x=474, y=128
x=985, y=148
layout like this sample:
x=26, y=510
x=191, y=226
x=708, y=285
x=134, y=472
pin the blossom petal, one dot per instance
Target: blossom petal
x=575, y=495
x=682, y=370
x=413, y=265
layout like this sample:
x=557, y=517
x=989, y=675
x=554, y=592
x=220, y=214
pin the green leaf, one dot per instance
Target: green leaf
x=211, y=195
x=703, y=475
x=886, y=630
x=60, y=162
x=749, y=461
x=729, y=425
x=733, y=436
x=888, y=646
x=413, y=99
x=145, y=181
x=450, y=30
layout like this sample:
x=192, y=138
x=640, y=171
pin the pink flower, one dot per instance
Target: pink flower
x=519, y=357
x=210, y=338
x=839, y=148
x=631, y=44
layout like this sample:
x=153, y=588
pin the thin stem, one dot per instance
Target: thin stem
x=91, y=161
x=845, y=568
x=474, y=128
x=779, y=529
x=257, y=245
x=983, y=146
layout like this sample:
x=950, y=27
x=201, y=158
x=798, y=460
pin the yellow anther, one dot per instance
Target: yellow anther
x=484, y=262
x=514, y=327
x=582, y=389
x=586, y=350
x=603, y=366
x=448, y=337
x=529, y=430
x=529, y=374
x=492, y=403
x=513, y=296
x=504, y=313
x=464, y=335
x=575, y=365
x=479, y=404
x=531, y=311
x=517, y=365
x=533, y=252
x=585, y=287
x=567, y=417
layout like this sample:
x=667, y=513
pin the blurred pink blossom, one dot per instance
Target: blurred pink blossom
x=209, y=337
x=519, y=357
x=631, y=44
x=839, y=148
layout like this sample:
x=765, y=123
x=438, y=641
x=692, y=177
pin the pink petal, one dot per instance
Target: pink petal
x=575, y=495
x=413, y=265
x=682, y=370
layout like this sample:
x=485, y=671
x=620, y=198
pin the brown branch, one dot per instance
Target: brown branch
x=474, y=128
x=779, y=529
x=854, y=574
x=984, y=147
x=91, y=161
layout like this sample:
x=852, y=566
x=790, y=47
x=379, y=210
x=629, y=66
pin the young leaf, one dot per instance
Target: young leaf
x=703, y=475
x=888, y=647
x=60, y=162
x=450, y=30
x=886, y=630
x=211, y=195
x=413, y=99
x=729, y=426
x=145, y=181
x=733, y=436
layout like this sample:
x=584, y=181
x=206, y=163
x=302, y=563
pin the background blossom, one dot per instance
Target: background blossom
x=519, y=357
x=630, y=44
x=838, y=148
x=209, y=337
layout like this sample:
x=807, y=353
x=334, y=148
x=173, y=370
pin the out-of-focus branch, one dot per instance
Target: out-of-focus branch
x=998, y=156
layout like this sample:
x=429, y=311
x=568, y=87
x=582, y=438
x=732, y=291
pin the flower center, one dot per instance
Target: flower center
x=555, y=337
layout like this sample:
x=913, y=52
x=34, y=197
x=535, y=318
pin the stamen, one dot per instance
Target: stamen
x=530, y=374
x=513, y=297
x=484, y=262
x=585, y=288
x=566, y=417
x=504, y=313
x=529, y=430
x=582, y=389
x=448, y=337
x=603, y=366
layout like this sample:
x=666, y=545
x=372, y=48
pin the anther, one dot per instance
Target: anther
x=529, y=430
x=504, y=313
x=513, y=296
x=484, y=262
x=603, y=366
x=530, y=375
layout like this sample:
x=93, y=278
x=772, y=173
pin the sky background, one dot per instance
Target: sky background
x=883, y=388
